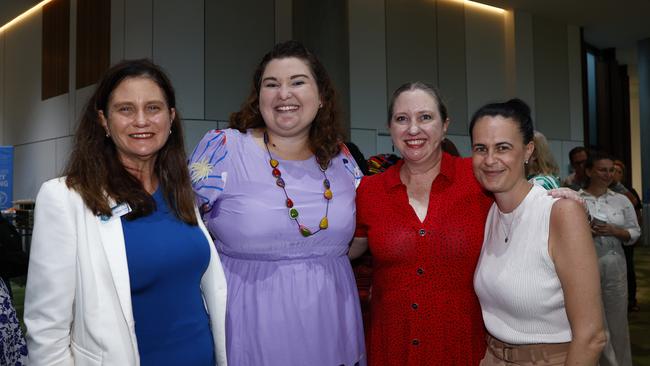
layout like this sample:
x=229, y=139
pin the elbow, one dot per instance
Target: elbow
x=595, y=342
x=591, y=342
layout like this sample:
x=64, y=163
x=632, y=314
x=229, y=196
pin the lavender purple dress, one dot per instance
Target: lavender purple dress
x=291, y=300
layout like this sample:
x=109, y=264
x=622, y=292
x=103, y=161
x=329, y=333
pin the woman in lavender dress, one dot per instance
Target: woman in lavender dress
x=277, y=192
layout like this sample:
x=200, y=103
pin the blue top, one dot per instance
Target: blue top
x=166, y=259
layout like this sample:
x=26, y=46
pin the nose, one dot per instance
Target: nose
x=489, y=157
x=141, y=118
x=285, y=92
x=413, y=127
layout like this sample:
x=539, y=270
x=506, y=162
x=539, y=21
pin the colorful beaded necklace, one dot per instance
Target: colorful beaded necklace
x=293, y=212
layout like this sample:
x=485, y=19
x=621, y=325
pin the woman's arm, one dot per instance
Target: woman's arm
x=357, y=247
x=629, y=232
x=51, y=280
x=574, y=256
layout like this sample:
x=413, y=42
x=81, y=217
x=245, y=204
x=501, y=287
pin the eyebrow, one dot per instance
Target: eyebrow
x=273, y=78
x=126, y=102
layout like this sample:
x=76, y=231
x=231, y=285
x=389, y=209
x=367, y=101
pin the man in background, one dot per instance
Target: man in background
x=578, y=157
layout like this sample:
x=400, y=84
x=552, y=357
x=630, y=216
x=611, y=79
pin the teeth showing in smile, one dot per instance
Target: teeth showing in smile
x=417, y=142
x=141, y=135
x=286, y=108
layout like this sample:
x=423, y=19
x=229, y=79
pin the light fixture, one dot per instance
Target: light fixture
x=24, y=15
x=482, y=6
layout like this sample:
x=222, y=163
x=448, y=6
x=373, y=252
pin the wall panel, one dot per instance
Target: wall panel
x=486, y=60
x=368, y=91
x=411, y=42
x=178, y=45
x=93, y=40
x=26, y=117
x=366, y=141
x=574, y=60
x=524, y=60
x=117, y=30
x=551, y=78
x=138, y=29
x=322, y=26
x=56, y=49
x=33, y=164
x=237, y=35
x=452, y=66
x=194, y=131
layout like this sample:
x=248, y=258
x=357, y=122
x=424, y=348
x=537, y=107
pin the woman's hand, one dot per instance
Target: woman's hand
x=570, y=194
x=605, y=229
x=358, y=246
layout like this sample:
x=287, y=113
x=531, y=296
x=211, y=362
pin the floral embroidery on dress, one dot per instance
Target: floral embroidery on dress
x=13, y=350
x=200, y=170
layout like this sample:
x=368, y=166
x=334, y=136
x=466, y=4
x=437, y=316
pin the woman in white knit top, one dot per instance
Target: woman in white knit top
x=537, y=278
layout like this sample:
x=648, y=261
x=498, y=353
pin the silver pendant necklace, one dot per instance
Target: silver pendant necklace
x=507, y=229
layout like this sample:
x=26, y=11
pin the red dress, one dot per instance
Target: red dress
x=423, y=307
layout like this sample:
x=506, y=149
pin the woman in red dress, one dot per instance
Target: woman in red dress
x=423, y=220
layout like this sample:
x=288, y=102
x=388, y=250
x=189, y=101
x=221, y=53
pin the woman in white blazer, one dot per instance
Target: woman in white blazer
x=122, y=271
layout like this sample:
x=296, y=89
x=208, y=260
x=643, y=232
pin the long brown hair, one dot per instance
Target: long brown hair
x=95, y=171
x=325, y=133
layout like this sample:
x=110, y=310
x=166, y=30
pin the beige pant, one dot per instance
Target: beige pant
x=503, y=354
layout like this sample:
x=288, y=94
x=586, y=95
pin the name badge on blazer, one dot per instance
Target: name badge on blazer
x=118, y=210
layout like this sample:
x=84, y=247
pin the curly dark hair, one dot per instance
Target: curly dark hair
x=95, y=171
x=325, y=133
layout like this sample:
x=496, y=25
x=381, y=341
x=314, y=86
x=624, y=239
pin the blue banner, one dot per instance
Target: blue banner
x=6, y=177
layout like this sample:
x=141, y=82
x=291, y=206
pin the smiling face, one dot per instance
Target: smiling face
x=416, y=127
x=289, y=98
x=499, y=153
x=601, y=175
x=138, y=120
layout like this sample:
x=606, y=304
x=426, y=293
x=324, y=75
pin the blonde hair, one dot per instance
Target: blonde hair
x=541, y=161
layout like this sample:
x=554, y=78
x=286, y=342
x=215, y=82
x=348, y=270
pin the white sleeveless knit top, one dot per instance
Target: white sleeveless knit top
x=516, y=283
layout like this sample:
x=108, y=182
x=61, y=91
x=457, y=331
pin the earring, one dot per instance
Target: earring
x=526, y=162
x=170, y=131
x=320, y=105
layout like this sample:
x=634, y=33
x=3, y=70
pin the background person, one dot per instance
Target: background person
x=614, y=224
x=122, y=270
x=578, y=157
x=541, y=168
x=13, y=350
x=537, y=277
x=277, y=191
x=618, y=185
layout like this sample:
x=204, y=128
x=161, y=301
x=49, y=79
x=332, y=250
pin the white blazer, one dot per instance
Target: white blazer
x=78, y=297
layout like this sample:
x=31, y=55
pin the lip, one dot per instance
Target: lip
x=415, y=143
x=142, y=135
x=285, y=108
x=492, y=173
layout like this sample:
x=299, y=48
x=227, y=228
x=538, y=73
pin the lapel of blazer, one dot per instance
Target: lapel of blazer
x=112, y=239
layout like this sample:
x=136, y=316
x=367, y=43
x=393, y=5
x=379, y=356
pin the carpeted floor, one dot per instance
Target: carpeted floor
x=639, y=321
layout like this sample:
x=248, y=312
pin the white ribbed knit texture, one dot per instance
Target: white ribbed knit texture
x=521, y=296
